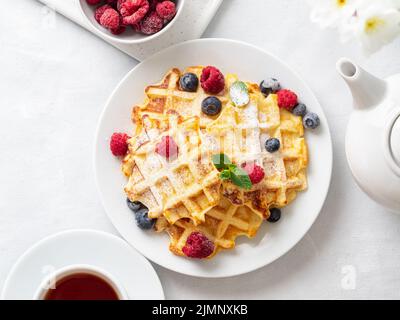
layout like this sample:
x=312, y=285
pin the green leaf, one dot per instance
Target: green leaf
x=239, y=94
x=221, y=161
x=225, y=175
x=240, y=178
x=231, y=172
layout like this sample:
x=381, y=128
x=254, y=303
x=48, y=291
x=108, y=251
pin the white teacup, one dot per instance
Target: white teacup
x=49, y=282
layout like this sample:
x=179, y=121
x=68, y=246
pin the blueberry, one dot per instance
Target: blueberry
x=311, y=121
x=275, y=215
x=189, y=82
x=269, y=86
x=211, y=106
x=134, y=205
x=142, y=219
x=300, y=110
x=272, y=145
x=141, y=214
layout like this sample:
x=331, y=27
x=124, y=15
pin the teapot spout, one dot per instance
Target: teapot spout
x=368, y=91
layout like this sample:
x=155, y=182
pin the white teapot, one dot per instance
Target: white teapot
x=373, y=133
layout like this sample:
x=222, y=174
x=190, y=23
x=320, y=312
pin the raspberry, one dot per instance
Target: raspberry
x=166, y=10
x=198, y=246
x=255, y=172
x=212, y=80
x=167, y=148
x=117, y=31
x=152, y=24
x=133, y=11
x=93, y=2
x=287, y=99
x=126, y=7
x=118, y=144
x=99, y=12
x=110, y=19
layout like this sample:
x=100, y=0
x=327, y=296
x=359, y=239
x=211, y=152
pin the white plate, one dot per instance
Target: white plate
x=250, y=63
x=89, y=247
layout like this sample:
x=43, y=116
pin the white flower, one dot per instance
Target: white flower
x=332, y=13
x=374, y=23
x=377, y=24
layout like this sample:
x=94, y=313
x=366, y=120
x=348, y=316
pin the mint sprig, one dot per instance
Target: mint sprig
x=232, y=172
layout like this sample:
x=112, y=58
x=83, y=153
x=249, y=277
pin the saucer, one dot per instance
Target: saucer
x=90, y=247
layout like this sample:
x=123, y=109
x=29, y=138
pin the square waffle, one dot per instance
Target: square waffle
x=167, y=98
x=223, y=224
x=240, y=133
x=184, y=187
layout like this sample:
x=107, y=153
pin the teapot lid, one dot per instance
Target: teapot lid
x=393, y=139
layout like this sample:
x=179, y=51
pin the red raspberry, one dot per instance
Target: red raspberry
x=198, y=246
x=110, y=19
x=126, y=7
x=212, y=80
x=99, y=12
x=166, y=10
x=287, y=99
x=152, y=24
x=119, y=144
x=133, y=11
x=93, y=2
x=255, y=172
x=167, y=147
x=117, y=31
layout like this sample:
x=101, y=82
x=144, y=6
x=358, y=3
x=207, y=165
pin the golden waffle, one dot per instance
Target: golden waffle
x=223, y=224
x=147, y=129
x=167, y=98
x=185, y=187
x=240, y=133
x=166, y=104
x=185, y=195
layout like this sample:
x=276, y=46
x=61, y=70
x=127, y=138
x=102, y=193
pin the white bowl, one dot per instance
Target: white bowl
x=249, y=63
x=129, y=36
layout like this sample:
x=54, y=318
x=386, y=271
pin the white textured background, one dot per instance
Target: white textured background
x=54, y=81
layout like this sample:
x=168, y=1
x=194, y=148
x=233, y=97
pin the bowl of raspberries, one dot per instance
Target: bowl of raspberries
x=131, y=21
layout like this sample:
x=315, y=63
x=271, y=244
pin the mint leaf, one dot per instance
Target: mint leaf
x=231, y=172
x=225, y=175
x=240, y=178
x=221, y=161
x=239, y=94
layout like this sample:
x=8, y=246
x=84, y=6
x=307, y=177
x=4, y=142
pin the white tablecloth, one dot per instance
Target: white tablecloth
x=54, y=80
